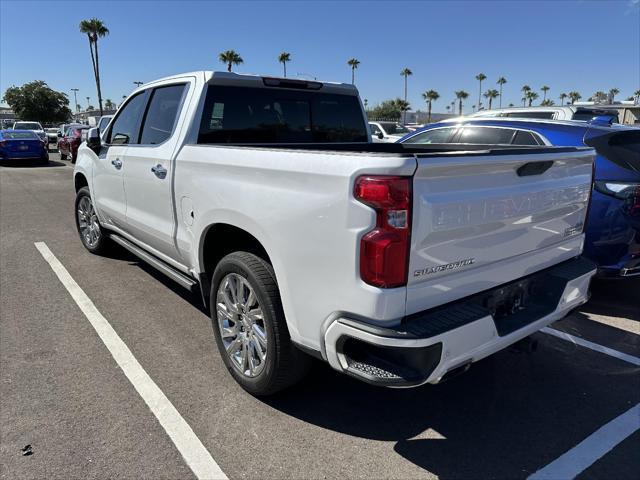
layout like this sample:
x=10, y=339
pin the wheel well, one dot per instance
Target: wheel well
x=222, y=239
x=80, y=181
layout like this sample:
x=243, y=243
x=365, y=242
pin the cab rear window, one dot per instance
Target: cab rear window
x=276, y=115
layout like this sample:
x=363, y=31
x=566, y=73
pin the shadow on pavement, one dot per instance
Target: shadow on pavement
x=615, y=298
x=31, y=164
x=510, y=415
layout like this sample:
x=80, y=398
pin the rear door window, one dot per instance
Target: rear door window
x=275, y=115
x=524, y=138
x=486, y=135
x=437, y=135
x=162, y=114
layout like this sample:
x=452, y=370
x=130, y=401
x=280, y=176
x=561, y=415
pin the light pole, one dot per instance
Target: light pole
x=88, y=103
x=75, y=97
x=137, y=84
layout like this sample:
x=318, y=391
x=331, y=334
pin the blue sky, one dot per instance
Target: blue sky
x=568, y=45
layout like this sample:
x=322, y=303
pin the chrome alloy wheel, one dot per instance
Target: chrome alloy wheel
x=88, y=222
x=242, y=325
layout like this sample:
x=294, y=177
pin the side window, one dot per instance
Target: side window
x=486, y=135
x=524, y=138
x=162, y=114
x=374, y=129
x=437, y=135
x=124, y=129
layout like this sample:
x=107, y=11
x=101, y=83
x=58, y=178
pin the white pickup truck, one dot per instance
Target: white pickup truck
x=397, y=264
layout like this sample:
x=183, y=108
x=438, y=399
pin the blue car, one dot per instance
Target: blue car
x=22, y=145
x=613, y=226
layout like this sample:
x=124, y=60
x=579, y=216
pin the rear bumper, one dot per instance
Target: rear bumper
x=427, y=346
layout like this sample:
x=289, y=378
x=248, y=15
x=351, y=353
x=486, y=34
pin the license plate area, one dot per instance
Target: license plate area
x=23, y=147
x=517, y=304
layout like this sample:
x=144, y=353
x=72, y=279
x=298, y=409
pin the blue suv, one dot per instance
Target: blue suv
x=613, y=226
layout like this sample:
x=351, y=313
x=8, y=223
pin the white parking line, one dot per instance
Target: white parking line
x=592, y=448
x=188, y=444
x=593, y=346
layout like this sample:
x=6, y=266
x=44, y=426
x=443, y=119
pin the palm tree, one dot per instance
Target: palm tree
x=283, y=58
x=461, y=95
x=511, y=105
x=353, y=63
x=524, y=90
x=430, y=96
x=544, y=90
x=547, y=103
x=490, y=95
x=448, y=108
x=613, y=92
x=562, y=97
x=501, y=81
x=108, y=104
x=230, y=57
x=531, y=96
x=574, y=97
x=598, y=97
x=405, y=73
x=95, y=28
x=480, y=77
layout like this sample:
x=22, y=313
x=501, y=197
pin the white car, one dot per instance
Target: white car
x=34, y=127
x=566, y=112
x=396, y=264
x=387, y=132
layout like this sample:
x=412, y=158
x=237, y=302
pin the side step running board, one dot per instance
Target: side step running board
x=169, y=271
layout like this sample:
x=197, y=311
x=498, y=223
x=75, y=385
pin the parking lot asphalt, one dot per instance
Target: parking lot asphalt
x=62, y=392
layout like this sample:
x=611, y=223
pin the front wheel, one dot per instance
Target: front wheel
x=91, y=233
x=250, y=327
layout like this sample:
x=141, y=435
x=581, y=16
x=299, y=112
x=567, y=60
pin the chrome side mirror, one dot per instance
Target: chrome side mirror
x=93, y=139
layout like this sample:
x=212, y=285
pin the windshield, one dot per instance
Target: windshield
x=395, y=129
x=273, y=115
x=19, y=135
x=27, y=126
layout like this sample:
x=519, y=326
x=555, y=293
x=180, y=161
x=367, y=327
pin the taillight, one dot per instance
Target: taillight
x=3, y=144
x=384, y=251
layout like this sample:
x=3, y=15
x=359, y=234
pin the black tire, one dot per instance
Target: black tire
x=284, y=363
x=63, y=156
x=103, y=242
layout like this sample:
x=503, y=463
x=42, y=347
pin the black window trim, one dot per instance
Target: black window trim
x=152, y=91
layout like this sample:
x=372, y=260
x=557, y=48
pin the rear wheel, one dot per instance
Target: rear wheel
x=250, y=327
x=91, y=233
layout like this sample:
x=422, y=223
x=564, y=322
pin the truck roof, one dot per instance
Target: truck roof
x=258, y=81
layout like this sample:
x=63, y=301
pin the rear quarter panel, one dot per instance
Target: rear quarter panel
x=300, y=206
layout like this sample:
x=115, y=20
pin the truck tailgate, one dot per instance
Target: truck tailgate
x=485, y=218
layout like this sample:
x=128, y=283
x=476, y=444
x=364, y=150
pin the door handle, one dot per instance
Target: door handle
x=159, y=171
x=117, y=163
